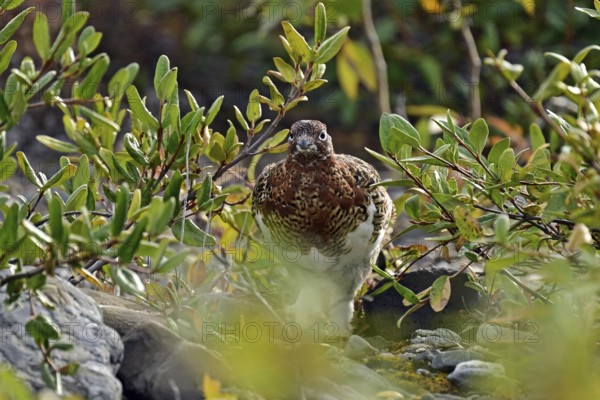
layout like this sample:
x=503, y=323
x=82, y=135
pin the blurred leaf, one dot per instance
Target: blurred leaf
x=41, y=36
x=27, y=169
x=498, y=149
x=14, y=24
x=467, y=224
x=57, y=144
x=77, y=199
x=192, y=235
x=440, y=293
x=348, y=78
x=173, y=262
x=120, y=214
x=64, y=174
x=506, y=165
x=41, y=329
x=89, y=85
x=5, y=56
x=127, y=279
x=501, y=228
x=128, y=247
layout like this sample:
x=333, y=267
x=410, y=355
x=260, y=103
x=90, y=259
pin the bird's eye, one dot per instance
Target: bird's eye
x=291, y=137
x=323, y=135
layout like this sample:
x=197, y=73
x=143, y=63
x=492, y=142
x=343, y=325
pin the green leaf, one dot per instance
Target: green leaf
x=35, y=231
x=162, y=67
x=10, y=4
x=287, y=71
x=139, y=110
x=213, y=110
x=77, y=199
x=592, y=13
x=173, y=188
x=467, y=224
x=204, y=192
x=506, y=165
x=89, y=85
x=167, y=84
x=68, y=9
x=41, y=36
x=320, y=23
x=133, y=149
x=536, y=136
x=173, y=262
x=64, y=174
x=55, y=211
x=57, y=144
x=5, y=56
x=404, y=133
x=88, y=41
x=162, y=213
x=127, y=279
x=14, y=24
x=41, y=329
x=297, y=43
x=497, y=149
x=330, y=47
x=240, y=118
x=99, y=120
x=27, y=169
x=501, y=228
x=120, y=213
x=478, y=135
x=440, y=293
x=254, y=109
x=192, y=235
x=127, y=249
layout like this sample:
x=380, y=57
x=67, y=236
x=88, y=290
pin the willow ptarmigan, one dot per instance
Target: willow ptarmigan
x=326, y=221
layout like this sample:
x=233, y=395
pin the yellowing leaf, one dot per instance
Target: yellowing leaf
x=528, y=6
x=432, y=6
x=467, y=225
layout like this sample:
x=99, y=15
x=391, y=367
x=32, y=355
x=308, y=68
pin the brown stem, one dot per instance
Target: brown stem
x=380, y=64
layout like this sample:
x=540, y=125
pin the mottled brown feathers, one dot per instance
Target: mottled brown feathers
x=315, y=198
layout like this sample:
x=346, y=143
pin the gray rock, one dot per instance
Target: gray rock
x=447, y=360
x=357, y=348
x=441, y=396
x=159, y=364
x=383, y=310
x=440, y=338
x=478, y=375
x=423, y=357
x=97, y=348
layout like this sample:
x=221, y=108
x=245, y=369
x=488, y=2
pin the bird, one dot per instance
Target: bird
x=325, y=218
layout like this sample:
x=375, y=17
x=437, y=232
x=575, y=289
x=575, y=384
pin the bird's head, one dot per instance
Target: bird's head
x=309, y=142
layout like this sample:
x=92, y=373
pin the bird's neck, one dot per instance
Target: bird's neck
x=311, y=163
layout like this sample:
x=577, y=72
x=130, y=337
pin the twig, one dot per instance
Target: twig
x=526, y=288
x=475, y=61
x=21, y=275
x=380, y=64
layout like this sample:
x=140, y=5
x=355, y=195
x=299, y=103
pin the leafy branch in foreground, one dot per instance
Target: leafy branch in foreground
x=511, y=213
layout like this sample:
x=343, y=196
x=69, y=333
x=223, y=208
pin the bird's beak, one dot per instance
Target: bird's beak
x=303, y=144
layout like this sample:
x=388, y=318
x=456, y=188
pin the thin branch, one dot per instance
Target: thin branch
x=380, y=64
x=525, y=287
x=21, y=275
x=475, y=61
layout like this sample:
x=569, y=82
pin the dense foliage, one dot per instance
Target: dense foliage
x=169, y=196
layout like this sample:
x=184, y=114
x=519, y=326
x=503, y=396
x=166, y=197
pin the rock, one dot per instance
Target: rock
x=383, y=310
x=441, y=396
x=447, y=360
x=357, y=348
x=159, y=364
x=379, y=342
x=423, y=357
x=440, y=338
x=477, y=375
x=97, y=348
